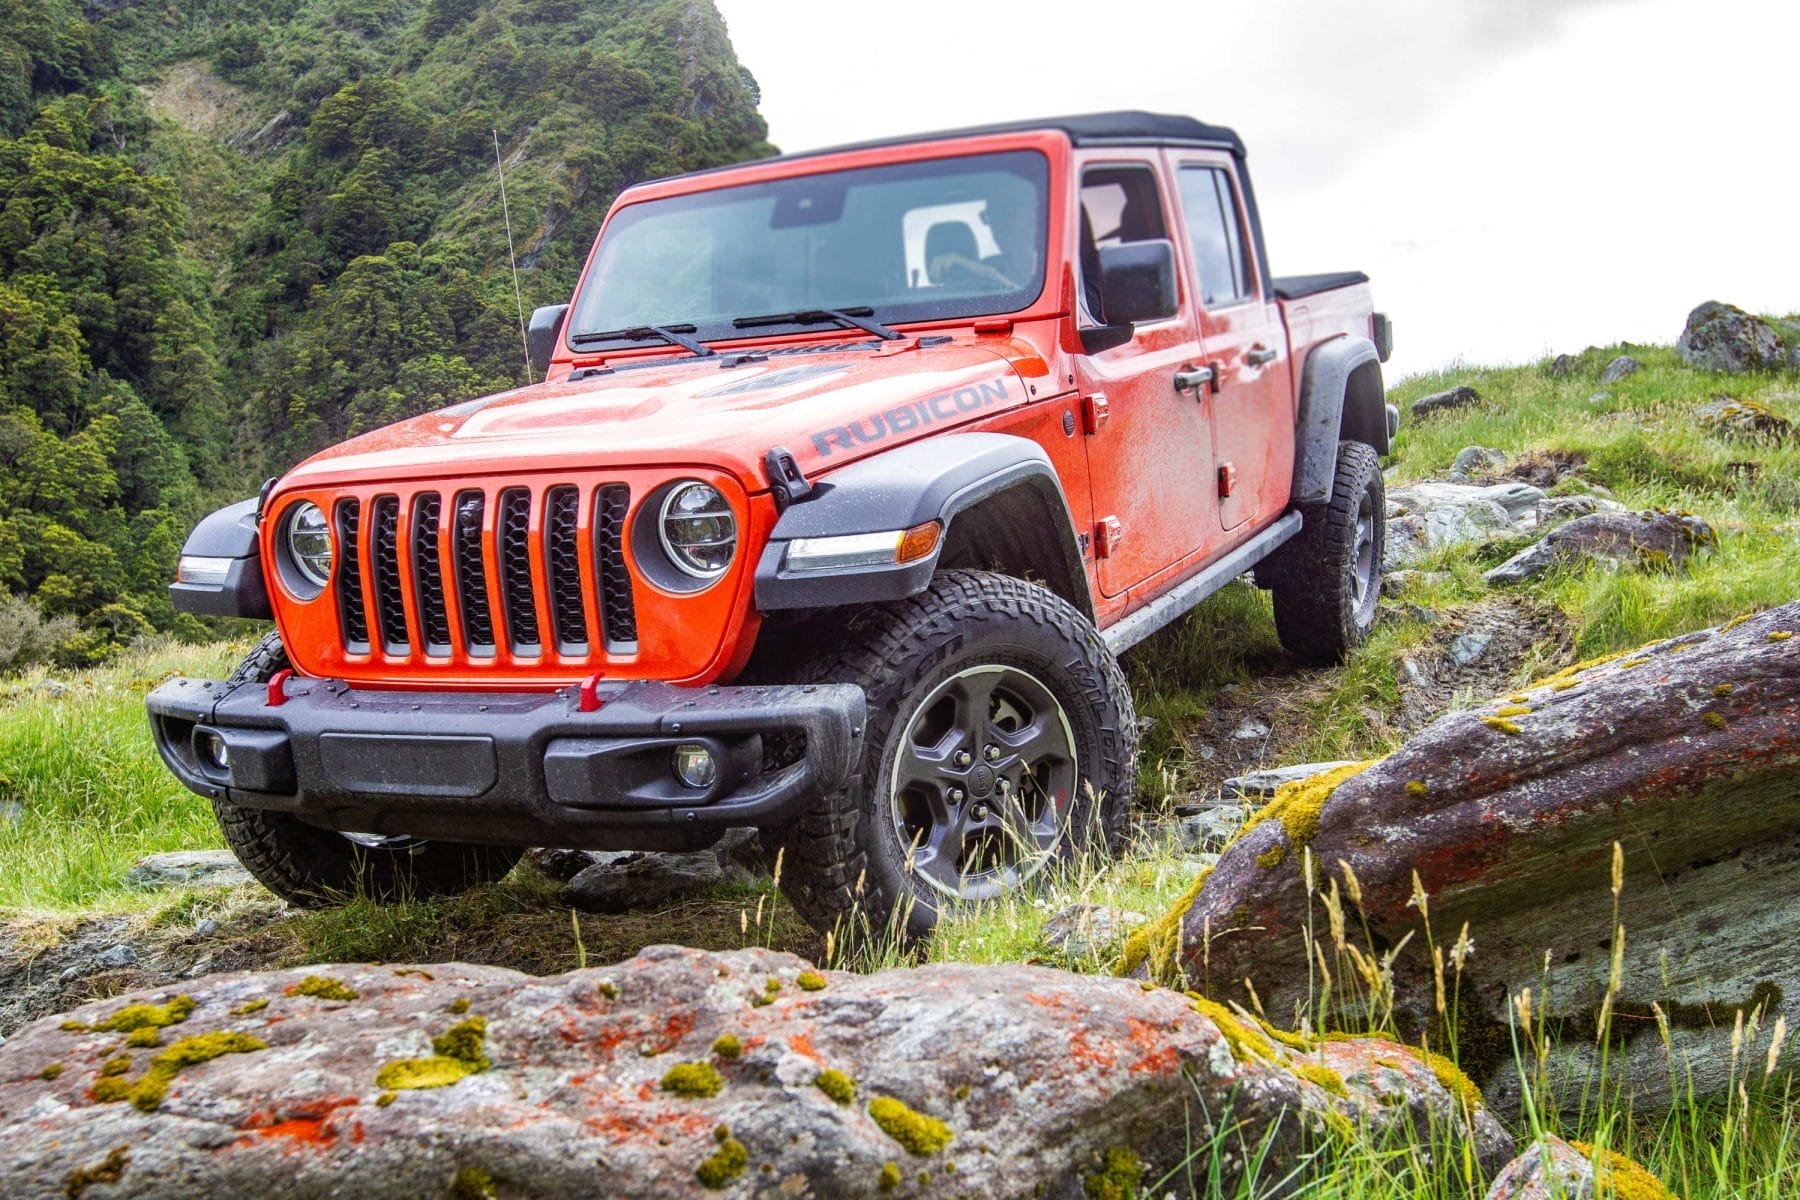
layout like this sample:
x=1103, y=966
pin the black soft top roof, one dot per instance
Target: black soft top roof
x=1125, y=127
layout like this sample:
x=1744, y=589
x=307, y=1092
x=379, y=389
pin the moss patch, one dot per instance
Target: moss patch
x=138, y=1016
x=1120, y=1175
x=1322, y=1075
x=473, y=1183
x=727, y=1046
x=889, y=1179
x=1713, y=720
x=1502, y=725
x=143, y=1039
x=1245, y=1042
x=1300, y=805
x=1621, y=1178
x=810, y=981
x=108, y=1170
x=697, y=1079
x=1452, y=1078
x=458, y=1052
x=837, y=1085
x=1780, y=635
x=1514, y=710
x=248, y=1007
x=919, y=1133
x=724, y=1164
x=53, y=1071
x=148, y=1092
x=323, y=987
x=460, y=1005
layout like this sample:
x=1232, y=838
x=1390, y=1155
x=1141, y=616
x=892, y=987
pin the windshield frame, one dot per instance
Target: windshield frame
x=1040, y=293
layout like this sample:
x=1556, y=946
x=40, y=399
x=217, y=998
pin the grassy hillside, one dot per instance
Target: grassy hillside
x=82, y=795
x=236, y=231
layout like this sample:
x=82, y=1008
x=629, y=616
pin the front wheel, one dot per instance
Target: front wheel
x=1327, y=579
x=312, y=867
x=1001, y=743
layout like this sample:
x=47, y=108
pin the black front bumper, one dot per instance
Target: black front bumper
x=508, y=768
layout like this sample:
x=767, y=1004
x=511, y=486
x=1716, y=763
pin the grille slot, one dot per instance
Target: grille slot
x=355, y=618
x=512, y=531
x=562, y=561
x=618, y=608
x=428, y=573
x=384, y=565
x=471, y=574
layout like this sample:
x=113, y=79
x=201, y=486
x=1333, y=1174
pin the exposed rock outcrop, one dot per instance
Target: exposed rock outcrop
x=1461, y=396
x=1723, y=337
x=1686, y=753
x=1746, y=420
x=679, y=1073
x=1552, y=1169
x=1619, y=368
x=1618, y=540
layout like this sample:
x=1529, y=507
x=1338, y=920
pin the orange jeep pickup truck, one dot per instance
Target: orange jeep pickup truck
x=850, y=476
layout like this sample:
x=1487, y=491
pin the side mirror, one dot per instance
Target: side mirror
x=540, y=335
x=1137, y=284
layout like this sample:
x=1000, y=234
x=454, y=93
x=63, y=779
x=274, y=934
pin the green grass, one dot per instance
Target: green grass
x=89, y=796
x=85, y=791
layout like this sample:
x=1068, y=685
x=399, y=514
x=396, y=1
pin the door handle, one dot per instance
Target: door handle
x=1260, y=355
x=1193, y=379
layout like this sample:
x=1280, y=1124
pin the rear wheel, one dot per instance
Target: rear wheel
x=1327, y=579
x=313, y=867
x=1001, y=742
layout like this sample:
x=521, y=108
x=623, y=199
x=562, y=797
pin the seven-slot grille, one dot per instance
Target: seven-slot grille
x=489, y=558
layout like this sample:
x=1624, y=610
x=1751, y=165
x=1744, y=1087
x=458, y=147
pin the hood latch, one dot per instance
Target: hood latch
x=787, y=483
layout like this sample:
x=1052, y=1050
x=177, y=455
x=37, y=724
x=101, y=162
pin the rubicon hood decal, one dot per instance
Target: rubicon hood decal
x=945, y=407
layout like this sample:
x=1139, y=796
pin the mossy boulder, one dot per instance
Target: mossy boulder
x=1685, y=753
x=1723, y=337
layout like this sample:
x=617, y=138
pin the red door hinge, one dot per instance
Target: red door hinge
x=1094, y=412
x=1107, y=536
x=1227, y=478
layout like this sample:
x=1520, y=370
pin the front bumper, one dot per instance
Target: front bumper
x=510, y=768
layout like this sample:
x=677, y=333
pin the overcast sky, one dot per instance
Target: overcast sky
x=1519, y=177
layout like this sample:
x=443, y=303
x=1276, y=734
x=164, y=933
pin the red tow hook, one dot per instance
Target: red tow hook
x=587, y=699
x=278, y=687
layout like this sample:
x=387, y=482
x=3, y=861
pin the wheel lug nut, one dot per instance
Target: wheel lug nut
x=956, y=795
x=980, y=813
x=964, y=758
x=992, y=753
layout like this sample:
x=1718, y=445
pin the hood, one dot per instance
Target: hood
x=829, y=406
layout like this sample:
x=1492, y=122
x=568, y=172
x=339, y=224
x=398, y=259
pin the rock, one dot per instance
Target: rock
x=1748, y=420
x=558, y=864
x=619, y=880
x=1723, y=337
x=1686, y=753
x=116, y=958
x=1261, y=784
x=1554, y=510
x=186, y=868
x=1619, y=368
x=1207, y=827
x=1250, y=730
x=1469, y=646
x=1552, y=1169
x=1562, y=366
x=1018, y=1079
x=1473, y=461
x=1089, y=930
x=1425, y=517
x=1461, y=396
x=1619, y=540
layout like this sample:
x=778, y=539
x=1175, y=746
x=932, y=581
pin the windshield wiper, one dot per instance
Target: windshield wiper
x=672, y=334
x=849, y=318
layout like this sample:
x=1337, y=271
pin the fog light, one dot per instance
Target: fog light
x=213, y=751
x=695, y=765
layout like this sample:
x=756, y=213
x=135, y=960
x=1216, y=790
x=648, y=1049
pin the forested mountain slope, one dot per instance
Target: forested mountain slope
x=234, y=231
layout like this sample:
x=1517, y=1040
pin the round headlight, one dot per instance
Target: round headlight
x=698, y=531
x=309, y=543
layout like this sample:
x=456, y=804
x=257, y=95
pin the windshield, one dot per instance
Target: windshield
x=946, y=238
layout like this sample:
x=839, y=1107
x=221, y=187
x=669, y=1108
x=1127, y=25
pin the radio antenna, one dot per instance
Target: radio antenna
x=512, y=257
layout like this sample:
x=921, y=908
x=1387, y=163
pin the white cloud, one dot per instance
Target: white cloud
x=1518, y=176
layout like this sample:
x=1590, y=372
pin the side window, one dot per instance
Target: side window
x=1210, y=202
x=1118, y=205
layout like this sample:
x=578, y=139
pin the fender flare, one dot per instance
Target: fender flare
x=228, y=537
x=1342, y=398
x=932, y=479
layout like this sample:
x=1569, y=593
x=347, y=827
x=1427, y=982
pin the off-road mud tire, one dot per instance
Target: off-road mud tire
x=1321, y=613
x=844, y=867
x=315, y=868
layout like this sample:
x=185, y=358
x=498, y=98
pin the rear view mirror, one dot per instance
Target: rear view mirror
x=540, y=336
x=1137, y=283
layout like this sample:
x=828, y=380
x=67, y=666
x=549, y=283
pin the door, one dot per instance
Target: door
x=1149, y=446
x=1245, y=344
